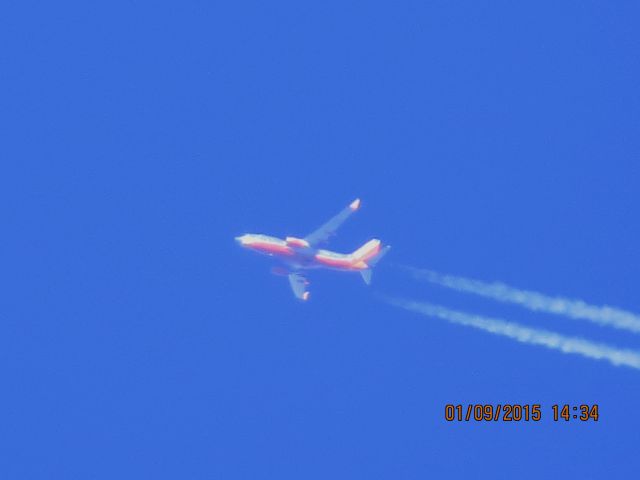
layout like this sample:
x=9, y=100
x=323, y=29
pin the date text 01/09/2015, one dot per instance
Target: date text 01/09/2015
x=518, y=412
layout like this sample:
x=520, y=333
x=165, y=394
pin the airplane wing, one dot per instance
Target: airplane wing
x=299, y=286
x=323, y=233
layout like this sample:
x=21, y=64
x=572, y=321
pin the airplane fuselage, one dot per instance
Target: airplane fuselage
x=298, y=254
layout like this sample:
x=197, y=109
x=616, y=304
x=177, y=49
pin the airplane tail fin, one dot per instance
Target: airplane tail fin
x=375, y=259
x=369, y=255
x=367, y=251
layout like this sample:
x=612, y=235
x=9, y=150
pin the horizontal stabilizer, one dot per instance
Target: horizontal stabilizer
x=366, y=275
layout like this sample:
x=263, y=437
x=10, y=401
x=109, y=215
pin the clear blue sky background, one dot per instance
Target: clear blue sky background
x=497, y=140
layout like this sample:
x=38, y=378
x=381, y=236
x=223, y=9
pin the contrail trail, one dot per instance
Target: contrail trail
x=520, y=333
x=537, y=302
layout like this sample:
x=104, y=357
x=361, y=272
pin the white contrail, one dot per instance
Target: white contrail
x=576, y=309
x=520, y=333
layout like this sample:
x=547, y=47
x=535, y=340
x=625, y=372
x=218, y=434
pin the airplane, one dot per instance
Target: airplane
x=299, y=254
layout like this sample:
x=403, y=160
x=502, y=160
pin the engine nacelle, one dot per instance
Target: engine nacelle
x=296, y=242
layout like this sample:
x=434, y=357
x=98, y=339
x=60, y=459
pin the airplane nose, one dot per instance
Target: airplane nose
x=241, y=239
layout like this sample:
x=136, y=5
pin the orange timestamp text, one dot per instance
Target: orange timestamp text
x=514, y=412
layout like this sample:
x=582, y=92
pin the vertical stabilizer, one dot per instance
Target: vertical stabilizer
x=367, y=251
x=367, y=273
x=374, y=260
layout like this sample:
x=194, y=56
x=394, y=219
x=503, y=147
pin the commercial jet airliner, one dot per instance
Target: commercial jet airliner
x=299, y=254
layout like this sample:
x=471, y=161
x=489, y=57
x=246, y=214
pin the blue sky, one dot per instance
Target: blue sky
x=493, y=140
